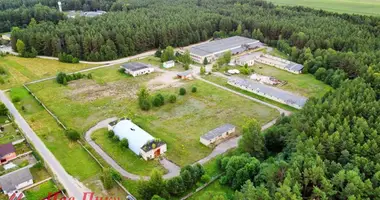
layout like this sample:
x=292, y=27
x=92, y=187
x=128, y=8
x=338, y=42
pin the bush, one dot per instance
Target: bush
x=124, y=142
x=158, y=100
x=110, y=134
x=16, y=99
x=144, y=99
x=172, y=98
x=194, y=89
x=3, y=71
x=72, y=134
x=89, y=76
x=2, y=80
x=205, y=178
x=116, y=138
x=121, y=70
x=182, y=91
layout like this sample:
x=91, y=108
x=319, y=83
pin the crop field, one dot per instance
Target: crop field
x=83, y=103
x=363, y=7
x=20, y=70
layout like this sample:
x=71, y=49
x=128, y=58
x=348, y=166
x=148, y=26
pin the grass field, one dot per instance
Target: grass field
x=83, y=103
x=364, y=7
x=41, y=191
x=124, y=156
x=20, y=70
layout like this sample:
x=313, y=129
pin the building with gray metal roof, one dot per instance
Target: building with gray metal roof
x=269, y=92
x=280, y=63
x=16, y=180
x=217, y=134
x=136, y=68
x=213, y=49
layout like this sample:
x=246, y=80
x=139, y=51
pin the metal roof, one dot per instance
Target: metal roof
x=134, y=66
x=218, y=131
x=185, y=73
x=136, y=136
x=9, y=181
x=222, y=45
x=286, y=96
x=294, y=66
x=249, y=56
x=6, y=149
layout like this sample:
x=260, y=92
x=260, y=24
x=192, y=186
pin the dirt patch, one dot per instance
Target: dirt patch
x=164, y=80
x=89, y=90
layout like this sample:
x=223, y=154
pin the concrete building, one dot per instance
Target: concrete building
x=168, y=64
x=280, y=63
x=12, y=182
x=7, y=153
x=186, y=75
x=137, y=69
x=217, y=134
x=212, y=50
x=139, y=141
x=248, y=59
x=269, y=92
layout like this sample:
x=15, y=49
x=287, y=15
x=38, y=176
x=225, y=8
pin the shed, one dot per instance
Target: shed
x=185, y=75
x=136, y=68
x=217, y=134
x=168, y=64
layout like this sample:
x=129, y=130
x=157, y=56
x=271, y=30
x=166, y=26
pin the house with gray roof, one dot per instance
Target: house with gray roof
x=269, y=92
x=214, y=49
x=12, y=182
x=217, y=134
x=280, y=63
x=188, y=74
x=137, y=69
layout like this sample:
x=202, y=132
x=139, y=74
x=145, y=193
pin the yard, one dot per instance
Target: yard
x=20, y=70
x=41, y=191
x=83, y=103
x=9, y=134
x=157, y=62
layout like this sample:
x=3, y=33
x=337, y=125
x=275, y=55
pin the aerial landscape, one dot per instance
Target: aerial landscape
x=189, y=99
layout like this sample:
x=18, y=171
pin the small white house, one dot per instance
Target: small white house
x=139, y=141
x=217, y=134
x=247, y=59
x=168, y=64
x=186, y=75
x=12, y=182
x=137, y=69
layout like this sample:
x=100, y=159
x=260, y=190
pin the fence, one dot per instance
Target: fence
x=202, y=187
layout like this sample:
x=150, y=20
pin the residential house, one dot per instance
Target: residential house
x=7, y=153
x=14, y=181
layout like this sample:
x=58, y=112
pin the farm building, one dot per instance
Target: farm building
x=270, y=80
x=168, y=64
x=280, y=63
x=269, y=92
x=139, y=141
x=188, y=75
x=14, y=181
x=212, y=50
x=217, y=134
x=7, y=153
x=136, y=69
x=247, y=59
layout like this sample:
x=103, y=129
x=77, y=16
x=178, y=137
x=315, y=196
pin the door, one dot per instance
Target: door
x=157, y=152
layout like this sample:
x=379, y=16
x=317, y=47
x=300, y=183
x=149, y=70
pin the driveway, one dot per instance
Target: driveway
x=68, y=182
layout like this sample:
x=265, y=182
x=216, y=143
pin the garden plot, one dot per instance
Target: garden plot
x=9, y=134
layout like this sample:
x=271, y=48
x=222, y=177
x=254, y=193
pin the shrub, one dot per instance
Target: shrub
x=121, y=70
x=60, y=77
x=158, y=100
x=172, y=98
x=182, y=91
x=75, y=60
x=3, y=71
x=2, y=80
x=89, y=76
x=194, y=89
x=205, y=178
x=16, y=99
x=110, y=134
x=72, y=134
x=144, y=99
x=124, y=142
x=116, y=138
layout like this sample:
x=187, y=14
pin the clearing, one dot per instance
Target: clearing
x=364, y=7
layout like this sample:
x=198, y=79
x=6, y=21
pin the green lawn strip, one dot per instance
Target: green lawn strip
x=21, y=148
x=3, y=119
x=39, y=173
x=214, y=191
x=124, y=156
x=71, y=155
x=41, y=191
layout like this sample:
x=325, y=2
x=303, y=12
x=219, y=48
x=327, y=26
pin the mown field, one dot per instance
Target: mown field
x=20, y=70
x=363, y=7
x=83, y=103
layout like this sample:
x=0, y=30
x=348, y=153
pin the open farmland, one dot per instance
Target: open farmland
x=20, y=70
x=363, y=7
x=83, y=103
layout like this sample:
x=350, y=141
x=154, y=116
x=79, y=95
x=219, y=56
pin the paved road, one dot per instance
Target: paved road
x=68, y=182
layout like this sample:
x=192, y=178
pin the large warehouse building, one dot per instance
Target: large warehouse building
x=212, y=50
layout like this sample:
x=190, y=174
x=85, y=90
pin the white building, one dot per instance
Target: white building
x=280, y=63
x=186, y=75
x=137, y=69
x=212, y=50
x=14, y=181
x=168, y=64
x=247, y=59
x=139, y=141
x=217, y=134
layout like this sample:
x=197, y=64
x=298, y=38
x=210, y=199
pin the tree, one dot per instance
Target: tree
x=158, y=100
x=186, y=58
x=182, y=91
x=203, y=70
x=168, y=54
x=156, y=197
x=110, y=134
x=72, y=134
x=252, y=140
x=20, y=47
x=116, y=138
x=144, y=99
x=155, y=186
x=187, y=179
x=158, y=53
x=106, y=178
x=205, y=61
x=172, y=98
x=175, y=186
x=194, y=89
x=248, y=191
x=3, y=110
x=124, y=143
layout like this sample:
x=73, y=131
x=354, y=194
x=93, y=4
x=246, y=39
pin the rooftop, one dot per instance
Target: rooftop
x=222, y=45
x=152, y=145
x=6, y=149
x=271, y=91
x=134, y=66
x=218, y=131
x=185, y=73
x=249, y=56
x=9, y=181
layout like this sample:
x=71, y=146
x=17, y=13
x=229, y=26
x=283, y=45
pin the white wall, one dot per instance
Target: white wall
x=140, y=72
x=150, y=154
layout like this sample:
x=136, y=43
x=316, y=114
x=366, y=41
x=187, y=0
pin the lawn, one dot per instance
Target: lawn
x=9, y=134
x=123, y=156
x=157, y=62
x=83, y=103
x=20, y=70
x=41, y=191
x=39, y=173
x=214, y=191
x=364, y=7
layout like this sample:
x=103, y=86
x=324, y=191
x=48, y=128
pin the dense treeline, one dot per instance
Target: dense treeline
x=22, y=16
